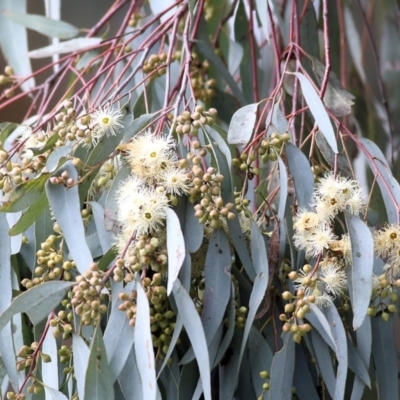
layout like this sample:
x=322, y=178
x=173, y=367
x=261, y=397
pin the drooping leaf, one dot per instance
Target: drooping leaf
x=54, y=394
x=194, y=329
x=98, y=377
x=282, y=370
x=138, y=125
x=260, y=261
x=336, y=98
x=67, y=46
x=300, y=170
x=318, y=111
x=321, y=324
x=242, y=125
x=81, y=359
x=65, y=205
x=118, y=331
x=24, y=195
x=175, y=248
x=50, y=369
x=57, y=157
x=276, y=122
x=362, y=248
x=45, y=26
x=143, y=344
x=14, y=42
x=217, y=272
x=385, y=360
x=193, y=231
x=129, y=378
x=37, y=302
x=105, y=236
x=357, y=365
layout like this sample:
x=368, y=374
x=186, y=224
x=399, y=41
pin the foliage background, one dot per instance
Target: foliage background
x=246, y=54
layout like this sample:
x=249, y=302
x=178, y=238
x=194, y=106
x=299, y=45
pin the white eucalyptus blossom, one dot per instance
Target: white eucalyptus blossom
x=106, y=121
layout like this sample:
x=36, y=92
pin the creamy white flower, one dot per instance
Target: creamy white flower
x=355, y=203
x=174, y=180
x=306, y=221
x=106, y=121
x=334, y=278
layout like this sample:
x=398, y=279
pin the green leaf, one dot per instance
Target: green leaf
x=45, y=26
x=283, y=193
x=318, y=110
x=24, y=194
x=175, y=248
x=276, y=121
x=129, y=378
x=302, y=176
x=357, y=365
x=105, y=236
x=207, y=51
x=262, y=12
x=37, y=302
x=242, y=125
x=57, y=157
x=143, y=344
x=282, y=370
x=260, y=262
x=194, y=329
x=362, y=249
x=385, y=359
x=324, y=361
x=50, y=369
x=381, y=169
x=193, y=231
x=339, y=337
x=217, y=273
x=65, y=205
x=5, y=129
x=336, y=98
x=54, y=394
x=138, y=125
x=67, y=46
x=14, y=42
x=81, y=360
x=50, y=143
x=118, y=331
x=98, y=378
x=321, y=324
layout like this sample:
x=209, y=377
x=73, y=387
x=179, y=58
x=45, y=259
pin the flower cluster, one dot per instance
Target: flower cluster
x=387, y=245
x=314, y=234
x=156, y=180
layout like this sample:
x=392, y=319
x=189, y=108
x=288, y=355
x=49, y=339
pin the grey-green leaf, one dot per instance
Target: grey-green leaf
x=98, y=378
x=67, y=46
x=362, y=246
x=65, y=205
x=282, y=370
x=303, y=179
x=37, y=302
x=242, y=124
x=194, y=329
x=318, y=110
x=45, y=26
x=81, y=359
x=14, y=42
x=144, y=346
x=175, y=247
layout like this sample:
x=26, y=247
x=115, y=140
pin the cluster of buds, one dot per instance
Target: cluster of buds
x=241, y=313
x=203, y=87
x=266, y=385
x=62, y=321
x=246, y=164
x=63, y=179
x=86, y=298
x=190, y=123
x=270, y=147
x=51, y=263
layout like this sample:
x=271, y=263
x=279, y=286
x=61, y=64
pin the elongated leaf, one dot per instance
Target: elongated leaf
x=144, y=346
x=262, y=12
x=64, y=47
x=118, y=331
x=339, y=337
x=320, y=323
x=65, y=205
x=324, y=360
x=129, y=378
x=46, y=26
x=50, y=369
x=194, y=329
x=98, y=378
x=242, y=124
x=193, y=231
x=357, y=365
x=56, y=158
x=14, y=42
x=260, y=261
x=54, y=394
x=302, y=176
x=175, y=248
x=282, y=370
x=362, y=247
x=105, y=236
x=37, y=302
x=24, y=195
x=384, y=355
x=81, y=359
x=318, y=111
x=217, y=272
x=276, y=121
x=138, y=125
x=283, y=193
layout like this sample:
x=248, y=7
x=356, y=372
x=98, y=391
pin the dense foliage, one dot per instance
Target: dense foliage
x=195, y=206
